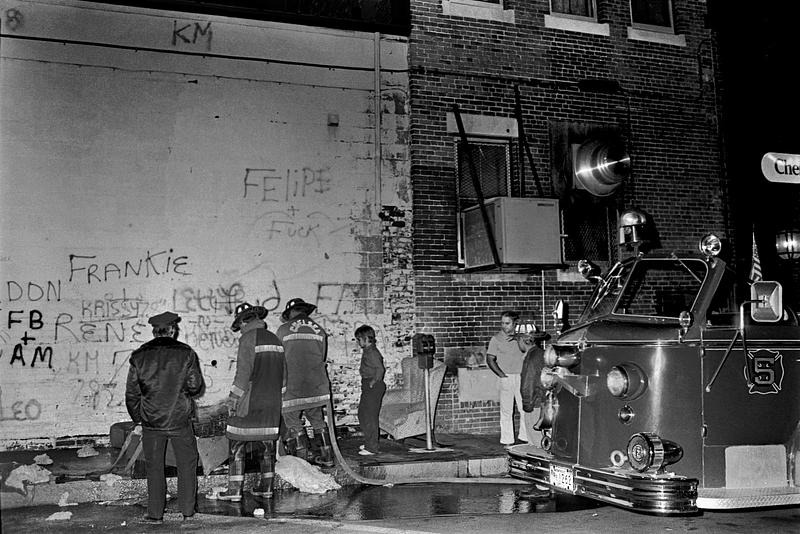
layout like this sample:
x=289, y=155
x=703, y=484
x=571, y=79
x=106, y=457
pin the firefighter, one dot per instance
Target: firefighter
x=308, y=387
x=255, y=400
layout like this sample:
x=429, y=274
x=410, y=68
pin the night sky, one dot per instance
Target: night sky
x=760, y=64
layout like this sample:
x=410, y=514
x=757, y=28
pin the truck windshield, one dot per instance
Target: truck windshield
x=652, y=287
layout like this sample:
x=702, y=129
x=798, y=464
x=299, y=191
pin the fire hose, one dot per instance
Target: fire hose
x=329, y=419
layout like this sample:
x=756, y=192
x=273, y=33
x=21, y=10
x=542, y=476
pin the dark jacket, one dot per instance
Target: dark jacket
x=163, y=377
x=305, y=345
x=533, y=394
x=258, y=385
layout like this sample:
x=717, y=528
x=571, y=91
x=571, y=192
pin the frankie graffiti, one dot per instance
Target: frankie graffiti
x=153, y=264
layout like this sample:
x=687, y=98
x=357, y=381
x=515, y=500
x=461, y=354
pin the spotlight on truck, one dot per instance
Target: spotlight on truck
x=648, y=452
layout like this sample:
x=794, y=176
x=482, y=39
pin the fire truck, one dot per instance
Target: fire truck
x=667, y=396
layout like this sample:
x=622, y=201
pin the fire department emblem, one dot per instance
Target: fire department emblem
x=764, y=371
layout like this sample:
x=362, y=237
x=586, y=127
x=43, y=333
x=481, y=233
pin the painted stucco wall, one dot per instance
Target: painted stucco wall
x=163, y=161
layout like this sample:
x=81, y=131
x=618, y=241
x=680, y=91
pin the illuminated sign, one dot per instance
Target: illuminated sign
x=781, y=168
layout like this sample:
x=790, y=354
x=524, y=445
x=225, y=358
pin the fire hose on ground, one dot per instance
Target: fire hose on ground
x=394, y=481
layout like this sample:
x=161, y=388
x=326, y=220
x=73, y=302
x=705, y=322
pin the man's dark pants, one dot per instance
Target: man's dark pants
x=369, y=409
x=154, y=446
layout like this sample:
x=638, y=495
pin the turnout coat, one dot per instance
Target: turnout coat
x=258, y=385
x=306, y=345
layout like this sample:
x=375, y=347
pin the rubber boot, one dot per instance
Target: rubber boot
x=302, y=445
x=325, y=457
x=233, y=493
x=314, y=446
x=235, y=473
x=267, y=468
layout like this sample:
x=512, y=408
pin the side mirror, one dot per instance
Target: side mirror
x=767, y=298
x=589, y=270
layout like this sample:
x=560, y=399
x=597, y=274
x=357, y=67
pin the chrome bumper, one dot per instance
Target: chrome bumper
x=659, y=494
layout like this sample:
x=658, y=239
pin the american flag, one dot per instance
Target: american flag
x=755, y=270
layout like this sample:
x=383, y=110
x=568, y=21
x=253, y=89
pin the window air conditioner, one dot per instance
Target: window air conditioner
x=527, y=232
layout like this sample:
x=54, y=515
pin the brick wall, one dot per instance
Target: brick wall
x=668, y=114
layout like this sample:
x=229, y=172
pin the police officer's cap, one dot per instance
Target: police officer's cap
x=164, y=319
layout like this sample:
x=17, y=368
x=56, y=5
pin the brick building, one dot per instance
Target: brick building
x=580, y=70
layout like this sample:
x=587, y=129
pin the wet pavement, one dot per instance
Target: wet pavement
x=360, y=503
x=349, y=504
x=406, y=509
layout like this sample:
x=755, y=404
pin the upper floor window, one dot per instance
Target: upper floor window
x=493, y=10
x=574, y=8
x=652, y=14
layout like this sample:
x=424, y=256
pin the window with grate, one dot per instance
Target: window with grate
x=588, y=226
x=492, y=163
x=492, y=159
x=651, y=14
x=575, y=8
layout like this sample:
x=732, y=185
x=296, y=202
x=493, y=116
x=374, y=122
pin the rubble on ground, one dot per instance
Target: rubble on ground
x=42, y=459
x=87, y=451
x=30, y=474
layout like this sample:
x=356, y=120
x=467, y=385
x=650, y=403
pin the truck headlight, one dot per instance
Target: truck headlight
x=617, y=382
x=626, y=381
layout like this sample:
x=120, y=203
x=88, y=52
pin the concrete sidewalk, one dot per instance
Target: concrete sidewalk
x=87, y=480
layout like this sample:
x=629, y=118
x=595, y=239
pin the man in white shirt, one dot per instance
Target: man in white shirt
x=504, y=357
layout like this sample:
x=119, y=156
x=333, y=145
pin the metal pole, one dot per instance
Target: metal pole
x=428, y=422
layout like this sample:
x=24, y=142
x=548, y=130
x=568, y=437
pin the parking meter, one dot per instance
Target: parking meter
x=424, y=349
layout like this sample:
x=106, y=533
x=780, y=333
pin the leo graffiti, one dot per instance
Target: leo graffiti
x=21, y=410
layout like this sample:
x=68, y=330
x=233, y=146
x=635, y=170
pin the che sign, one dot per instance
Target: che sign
x=781, y=168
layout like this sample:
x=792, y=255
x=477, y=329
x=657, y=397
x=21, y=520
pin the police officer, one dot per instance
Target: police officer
x=163, y=378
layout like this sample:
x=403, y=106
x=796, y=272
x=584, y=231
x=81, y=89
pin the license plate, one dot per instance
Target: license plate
x=561, y=477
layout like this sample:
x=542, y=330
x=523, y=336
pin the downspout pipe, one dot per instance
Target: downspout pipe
x=378, y=112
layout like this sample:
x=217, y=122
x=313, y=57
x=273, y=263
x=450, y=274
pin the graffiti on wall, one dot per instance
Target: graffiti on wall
x=85, y=343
